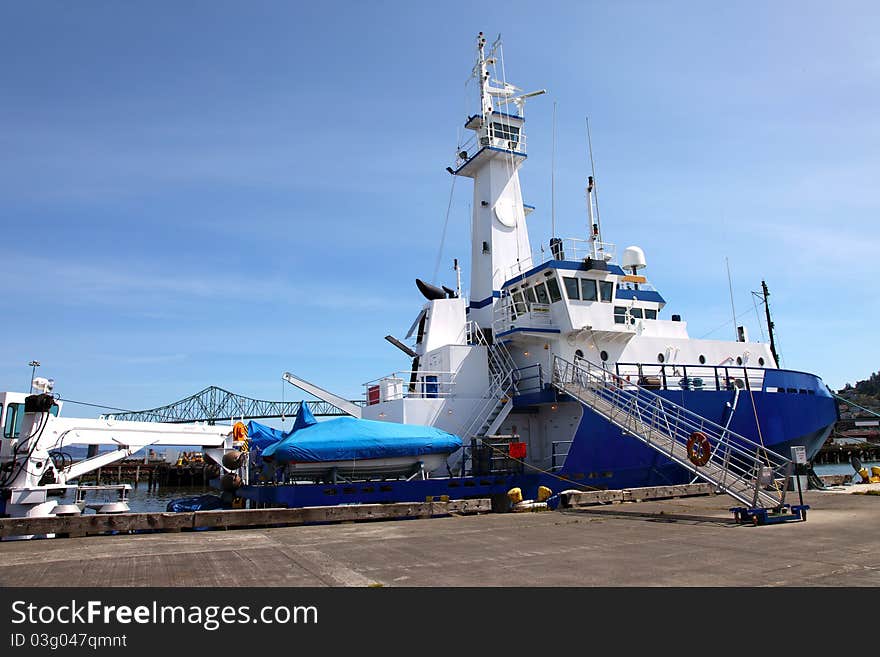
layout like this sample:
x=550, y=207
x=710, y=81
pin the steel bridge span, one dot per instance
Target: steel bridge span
x=216, y=404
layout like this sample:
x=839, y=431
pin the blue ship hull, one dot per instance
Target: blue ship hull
x=803, y=414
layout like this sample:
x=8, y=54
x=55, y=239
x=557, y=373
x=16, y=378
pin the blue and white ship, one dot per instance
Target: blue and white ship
x=559, y=363
x=573, y=301
x=557, y=369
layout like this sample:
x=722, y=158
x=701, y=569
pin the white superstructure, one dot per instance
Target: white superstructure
x=568, y=298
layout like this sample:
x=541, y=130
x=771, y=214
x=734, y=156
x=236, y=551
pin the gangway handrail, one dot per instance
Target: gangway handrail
x=735, y=464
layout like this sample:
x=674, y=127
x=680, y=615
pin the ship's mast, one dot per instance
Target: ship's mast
x=485, y=96
x=492, y=156
x=770, y=324
x=595, y=227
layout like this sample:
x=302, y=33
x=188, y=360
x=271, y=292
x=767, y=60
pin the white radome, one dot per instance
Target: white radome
x=633, y=256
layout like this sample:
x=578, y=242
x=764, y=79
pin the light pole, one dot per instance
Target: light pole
x=34, y=365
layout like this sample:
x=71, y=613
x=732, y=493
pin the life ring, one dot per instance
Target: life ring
x=699, y=449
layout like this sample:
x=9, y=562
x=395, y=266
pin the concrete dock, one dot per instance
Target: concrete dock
x=675, y=542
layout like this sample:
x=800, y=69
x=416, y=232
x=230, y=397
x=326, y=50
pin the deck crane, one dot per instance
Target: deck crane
x=31, y=481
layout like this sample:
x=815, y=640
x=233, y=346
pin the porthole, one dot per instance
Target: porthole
x=761, y=361
x=739, y=360
x=660, y=358
x=603, y=355
x=578, y=354
x=702, y=359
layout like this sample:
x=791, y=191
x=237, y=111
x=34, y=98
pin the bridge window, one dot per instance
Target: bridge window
x=650, y=313
x=635, y=313
x=588, y=289
x=606, y=290
x=572, y=289
x=619, y=315
x=553, y=288
x=530, y=294
x=541, y=293
x=505, y=131
x=519, y=304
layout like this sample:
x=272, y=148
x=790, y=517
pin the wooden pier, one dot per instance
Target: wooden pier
x=835, y=454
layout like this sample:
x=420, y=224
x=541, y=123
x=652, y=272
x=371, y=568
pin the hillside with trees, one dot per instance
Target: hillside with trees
x=864, y=393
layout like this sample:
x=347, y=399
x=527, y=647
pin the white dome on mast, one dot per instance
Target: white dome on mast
x=633, y=259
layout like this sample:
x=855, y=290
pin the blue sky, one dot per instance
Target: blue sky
x=213, y=193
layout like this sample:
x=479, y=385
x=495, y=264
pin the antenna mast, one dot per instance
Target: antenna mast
x=732, y=308
x=770, y=324
x=485, y=97
x=595, y=228
x=553, y=178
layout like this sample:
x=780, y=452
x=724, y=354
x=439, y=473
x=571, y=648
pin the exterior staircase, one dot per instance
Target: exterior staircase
x=736, y=465
x=496, y=402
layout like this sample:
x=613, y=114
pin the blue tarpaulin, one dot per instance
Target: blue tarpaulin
x=348, y=438
x=260, y=436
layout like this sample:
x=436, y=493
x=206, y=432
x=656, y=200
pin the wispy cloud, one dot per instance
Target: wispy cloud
x=136, y=285
x=146, y=360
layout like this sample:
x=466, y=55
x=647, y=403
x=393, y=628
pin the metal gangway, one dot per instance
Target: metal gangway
x=753, y=475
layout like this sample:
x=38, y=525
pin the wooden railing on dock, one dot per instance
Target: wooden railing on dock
x=75, y=526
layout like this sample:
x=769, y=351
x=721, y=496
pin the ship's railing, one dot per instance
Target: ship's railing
x=691, y=377
x=410, y=384
x=474, y=334
x=628, y=285
x=490, y=455
x=491, y=139
x=558, y=453
x=514, y=311
x=568, y=248
x=530, y=379
x=501, y=363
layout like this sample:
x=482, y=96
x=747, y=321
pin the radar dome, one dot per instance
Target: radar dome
x=633, y=258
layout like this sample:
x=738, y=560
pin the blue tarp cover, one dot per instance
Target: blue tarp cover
x=261, y=436
x=349, y=438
